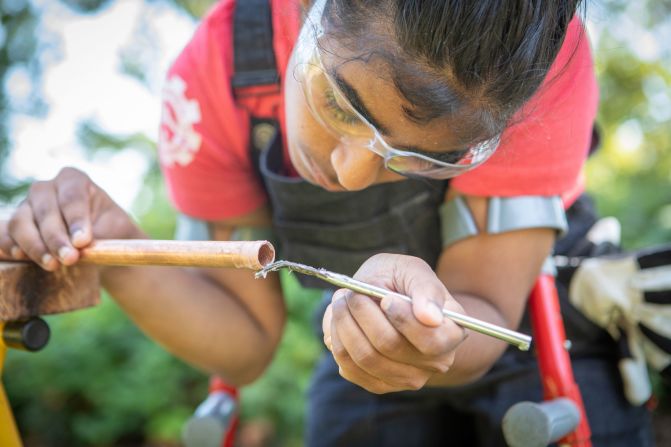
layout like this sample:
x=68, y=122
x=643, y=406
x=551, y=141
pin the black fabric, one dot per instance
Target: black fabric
x=655, y=257
x=666, y=375
x=587, y=339
x=340, y=230
x=595, y=143
x=662, y=342
x=342, y=414
x=657, y=296
x=581, y=216
x=253, y=55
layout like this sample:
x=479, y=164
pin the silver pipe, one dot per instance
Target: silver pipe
x=521, y=341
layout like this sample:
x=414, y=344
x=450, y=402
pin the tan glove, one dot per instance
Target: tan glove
x=630, y=297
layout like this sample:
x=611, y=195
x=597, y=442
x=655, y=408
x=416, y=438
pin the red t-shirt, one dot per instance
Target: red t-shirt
x=203, y=140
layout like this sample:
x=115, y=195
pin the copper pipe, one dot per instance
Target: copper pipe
x=237, y=254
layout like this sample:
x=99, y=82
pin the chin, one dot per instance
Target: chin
x=331, y=188
x=311, y=172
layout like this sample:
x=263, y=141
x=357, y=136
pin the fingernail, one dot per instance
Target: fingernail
x=386, y=303
x=435, y=312
x=16, y=252
x=46, y=259
x=338, y=294
x=78, y=236
x=64, y=252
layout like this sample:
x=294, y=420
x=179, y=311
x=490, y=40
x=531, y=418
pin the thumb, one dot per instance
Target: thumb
x=427, y=306
x=418, y=281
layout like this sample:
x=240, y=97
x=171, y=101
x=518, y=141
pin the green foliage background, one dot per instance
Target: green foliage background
x=100, y=382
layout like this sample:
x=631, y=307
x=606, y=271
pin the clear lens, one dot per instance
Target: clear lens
x=331, y=109
x=410, y=163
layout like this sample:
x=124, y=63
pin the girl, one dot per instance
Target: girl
x=430, y=143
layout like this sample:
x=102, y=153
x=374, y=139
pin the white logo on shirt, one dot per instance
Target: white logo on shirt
x=178, y=140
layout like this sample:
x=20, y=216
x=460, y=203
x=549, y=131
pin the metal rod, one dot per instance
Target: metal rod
x=521, y=341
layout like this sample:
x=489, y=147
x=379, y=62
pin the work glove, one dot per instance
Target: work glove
x=629, y=295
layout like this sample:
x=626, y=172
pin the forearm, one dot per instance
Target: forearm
x=196, y=319
x=476, y=355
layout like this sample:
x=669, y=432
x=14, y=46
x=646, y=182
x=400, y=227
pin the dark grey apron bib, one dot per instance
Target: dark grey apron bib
x=340, y=230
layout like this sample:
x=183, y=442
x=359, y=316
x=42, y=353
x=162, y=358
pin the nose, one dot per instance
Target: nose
x=356, y=166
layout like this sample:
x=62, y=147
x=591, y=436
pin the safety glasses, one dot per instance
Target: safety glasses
x=336, y=114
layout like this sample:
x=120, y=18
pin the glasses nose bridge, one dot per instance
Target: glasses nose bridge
x=372, y=145
x=360, y=153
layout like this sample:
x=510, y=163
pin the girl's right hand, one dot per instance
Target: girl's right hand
x=61, y=216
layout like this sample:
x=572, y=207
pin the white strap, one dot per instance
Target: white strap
x=503, y=214
x=517, y=213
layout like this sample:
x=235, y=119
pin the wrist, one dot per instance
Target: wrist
x=114, y=276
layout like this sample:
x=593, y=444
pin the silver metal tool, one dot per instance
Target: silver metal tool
x=520, y=340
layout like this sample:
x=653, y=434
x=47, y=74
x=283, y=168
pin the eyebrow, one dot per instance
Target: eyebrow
x=355, y=100
x=353, y=97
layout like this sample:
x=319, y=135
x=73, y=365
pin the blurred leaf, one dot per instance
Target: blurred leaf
x=195, y=8
x=18, y=48
x=86, y=6
x=91, y=136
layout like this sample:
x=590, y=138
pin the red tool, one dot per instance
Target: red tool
x=561, y=417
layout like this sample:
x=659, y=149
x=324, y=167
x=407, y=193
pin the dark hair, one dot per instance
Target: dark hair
x=475, y=61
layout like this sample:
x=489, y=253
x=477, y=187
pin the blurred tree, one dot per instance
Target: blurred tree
x=127, y=391
x=631, y=174
x=21, y=56
x=86, y=6
x=19, y=78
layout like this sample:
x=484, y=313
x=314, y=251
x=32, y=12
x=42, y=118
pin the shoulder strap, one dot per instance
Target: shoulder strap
x=253, y=32
x=255, y=70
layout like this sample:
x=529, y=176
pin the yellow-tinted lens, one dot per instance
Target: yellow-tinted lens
x=331, y=108
x=408, y=164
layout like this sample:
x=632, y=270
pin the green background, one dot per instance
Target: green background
x=100, y=382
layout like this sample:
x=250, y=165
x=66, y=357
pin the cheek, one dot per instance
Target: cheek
x=303, y=131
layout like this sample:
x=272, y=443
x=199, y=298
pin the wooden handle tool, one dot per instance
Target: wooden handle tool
x=237, y=254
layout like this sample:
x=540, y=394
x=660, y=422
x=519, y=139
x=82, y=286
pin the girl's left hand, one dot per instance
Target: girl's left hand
x=393, y=345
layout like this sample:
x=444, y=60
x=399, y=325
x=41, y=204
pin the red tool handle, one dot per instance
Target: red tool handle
x=217, y=384
x=553, y=359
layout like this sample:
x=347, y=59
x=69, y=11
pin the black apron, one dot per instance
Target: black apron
x=339, y=231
